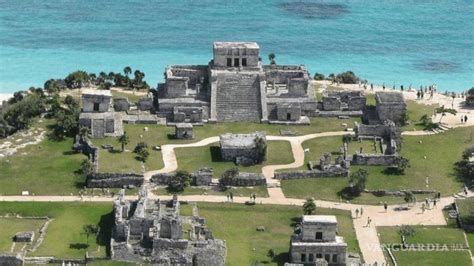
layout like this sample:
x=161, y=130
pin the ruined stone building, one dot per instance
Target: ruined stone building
x=152, y=231
x=390, y=105
x=343, y=101
x=236, y=87
x=98, y=114
x=317, y=239
x=243, y=149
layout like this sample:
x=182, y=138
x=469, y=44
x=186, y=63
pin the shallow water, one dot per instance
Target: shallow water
x=397, y=42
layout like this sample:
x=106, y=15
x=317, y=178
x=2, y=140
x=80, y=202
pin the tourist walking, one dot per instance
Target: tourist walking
x=465, y=119
x=361, y=212
x=383, y=86
x=434, y=203
x=423, y=208
x=231, y=195
x=368, y=221
x=357, y=213
x=385, y=206
x=462, y=119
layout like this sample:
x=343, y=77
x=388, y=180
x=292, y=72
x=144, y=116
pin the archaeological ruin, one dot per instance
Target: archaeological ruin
x=243, y=149
x=390, y=105
x=316, y=239
x=153, y=232
x=236, y=87
x=98, y=115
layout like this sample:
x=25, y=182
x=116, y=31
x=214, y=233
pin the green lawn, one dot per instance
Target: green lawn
x=260, y=191
x=439, y=167
x=192, y=159
x=49, y=168
x=12, y=225
x=445, y=238
x=470, y=241
x=466, y=210
x=415, y=111
x=64, y=236
x=237, y=224
x=131, y=97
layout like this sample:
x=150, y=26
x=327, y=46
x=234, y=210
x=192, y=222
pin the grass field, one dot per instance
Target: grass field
x=64, y=237
x=12, y=225
x=445, y=238
x=49, y=168
x=192, y=159
x=131, y=97
x=466, y=210
x=438, y=167
x=237, y=225
x=260, y=191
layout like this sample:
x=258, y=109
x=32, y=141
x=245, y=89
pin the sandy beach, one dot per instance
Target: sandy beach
x=5, y=96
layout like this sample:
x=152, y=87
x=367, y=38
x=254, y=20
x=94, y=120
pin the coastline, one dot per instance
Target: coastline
x=5, y=97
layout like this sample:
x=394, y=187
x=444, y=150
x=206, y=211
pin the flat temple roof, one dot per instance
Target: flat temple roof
x=96, y=92
x=251, y=45
x=319, y=219
x=389, y=97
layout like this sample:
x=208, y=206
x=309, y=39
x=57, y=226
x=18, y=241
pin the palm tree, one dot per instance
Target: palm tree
x=309, y=207
x=127, y=70
x=443, y=111
x=123, y=140
x=271, y=57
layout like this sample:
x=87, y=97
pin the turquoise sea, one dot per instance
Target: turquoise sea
x=399, y=42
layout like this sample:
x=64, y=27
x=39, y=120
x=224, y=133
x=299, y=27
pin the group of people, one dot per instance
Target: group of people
x=463, y=119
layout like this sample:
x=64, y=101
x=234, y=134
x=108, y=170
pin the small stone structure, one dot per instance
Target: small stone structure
x=184, y=131
x=386, y=134
x=24, y=236
x=121, y=104
x=244, y=149
x=145, y=104
x=288, y=111
x=233, y=177
x=11, y=260
x=151, y=231
x=343, y=101
x=390, y=105
x=317, y=239
x=98, y=115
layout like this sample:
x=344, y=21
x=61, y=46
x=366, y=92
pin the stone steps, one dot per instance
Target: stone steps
x=238, y=98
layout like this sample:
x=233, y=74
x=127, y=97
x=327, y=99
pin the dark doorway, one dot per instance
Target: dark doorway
x=244, y=61
x=319, y=235
x=236, y=62
x=288, y=116
x=229, y=62
x=96, y=107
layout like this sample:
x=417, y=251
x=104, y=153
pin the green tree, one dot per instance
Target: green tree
x=124, y=140
x=141, y=149
x=67, y=118
x=180, y=181
x=309, y=207
x=409, y=197
x=271, y=254
x=90, y=229
x=470, y=96
x=54, y=86
x=406, y=231
x=357, y=181
x=77, y=79
x=399, y=165
x=319, y=76
x=84, y=131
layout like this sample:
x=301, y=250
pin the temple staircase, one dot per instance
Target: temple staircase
x=238, y=98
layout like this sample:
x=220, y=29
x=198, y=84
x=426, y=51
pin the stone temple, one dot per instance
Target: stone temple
x=318, y=240
x=153, y=232
x=236, y=87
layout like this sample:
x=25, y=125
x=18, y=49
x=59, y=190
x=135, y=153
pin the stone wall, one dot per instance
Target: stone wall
x=162, y=179
x=235, y=178
x=196, y=74
x=115, y=180
x=373, y=159
x=202, y=177
x=335, y=171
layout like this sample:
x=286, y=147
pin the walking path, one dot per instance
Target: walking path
x=366, y=235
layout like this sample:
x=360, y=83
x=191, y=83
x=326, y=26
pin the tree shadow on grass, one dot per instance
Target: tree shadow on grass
x=105, y=231
x=216, y=154
x=295, y=221
x=392, y=171
x=346, y=194
x=78, y=246
x=171, y=136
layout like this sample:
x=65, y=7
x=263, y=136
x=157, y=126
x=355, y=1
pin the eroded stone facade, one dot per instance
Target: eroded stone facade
x=243, y=149
x=151, y=231
x=317, y=239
